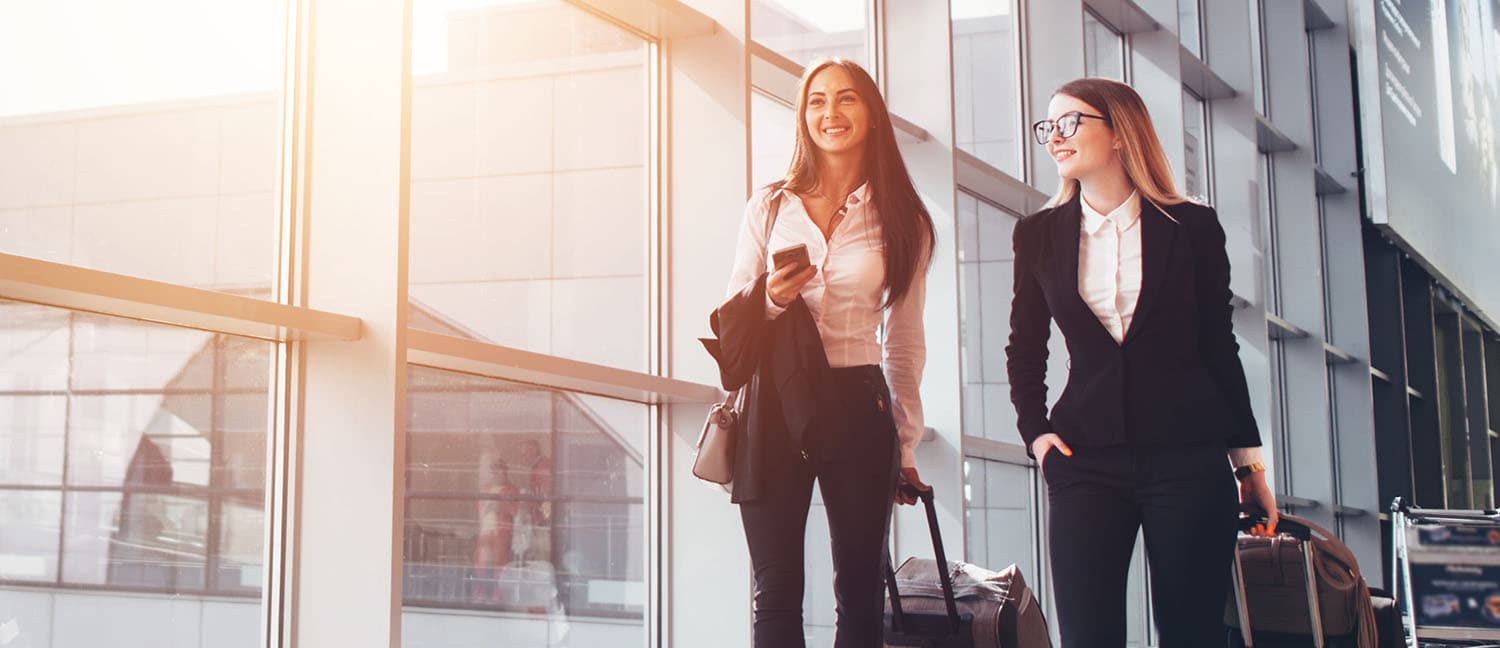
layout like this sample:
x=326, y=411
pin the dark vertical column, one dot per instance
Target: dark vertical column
x=1448, y=397
x=1393, y=455
x=1421, y=386
x=1481, y=472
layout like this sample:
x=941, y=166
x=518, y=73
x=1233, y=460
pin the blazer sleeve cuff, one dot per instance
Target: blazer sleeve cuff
x=1030, y=433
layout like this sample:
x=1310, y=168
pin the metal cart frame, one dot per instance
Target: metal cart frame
x=1404, y=552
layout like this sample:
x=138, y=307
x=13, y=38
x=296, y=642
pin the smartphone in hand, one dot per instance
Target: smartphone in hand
x=794, y=254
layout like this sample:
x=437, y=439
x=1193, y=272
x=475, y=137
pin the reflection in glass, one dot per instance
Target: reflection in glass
x=773, y=129
x=136, y=540
x=998, y=505
x=529, y=205
x=106, y=480
x=1195, y=147
x=1188, y=26
x=1257, y=57
x=804, y=30
x=523, y=500
x=28, y=545
x=151, y=124
x=986, y=82
x=985, y=266
x=1103, y=49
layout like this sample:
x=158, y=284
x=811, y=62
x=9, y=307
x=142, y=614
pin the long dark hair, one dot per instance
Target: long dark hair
x=906, y=227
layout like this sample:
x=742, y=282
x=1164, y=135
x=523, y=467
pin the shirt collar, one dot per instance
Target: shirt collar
x=859, y=197
x=1125, y=216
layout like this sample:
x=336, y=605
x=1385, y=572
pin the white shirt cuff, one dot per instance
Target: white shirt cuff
x=1244, y=456
x=772, y=310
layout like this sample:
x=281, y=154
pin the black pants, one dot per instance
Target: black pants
x=1185, y=500
x=857, y=482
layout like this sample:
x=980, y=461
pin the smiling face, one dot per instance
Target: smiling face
x=1091, y=149
x=837, y=117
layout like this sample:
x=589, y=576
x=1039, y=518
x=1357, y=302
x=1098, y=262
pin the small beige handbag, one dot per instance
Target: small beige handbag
x=713, y=459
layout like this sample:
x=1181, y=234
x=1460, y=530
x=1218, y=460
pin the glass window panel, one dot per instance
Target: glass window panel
x=31, y=439
x=139, y=440
x=242, y=525
x=1257, y=57
x=1195, y=147
x=144, y=415
x=986, y=82
x=33, y=347
x=985, y=268
x=999, y=513
x=804, y=30
x=113, y=357
x=1103, y=49
x=241, y=458
x=773, y=132
x=1187, y=26
x=135, y=540
x=523, y=500
x=28, y=546
x=144, y=124
x=529, y=178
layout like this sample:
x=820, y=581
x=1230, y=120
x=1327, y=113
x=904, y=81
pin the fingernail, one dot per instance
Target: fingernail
x=1067, y=452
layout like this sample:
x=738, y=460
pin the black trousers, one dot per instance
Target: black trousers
x=857, y=482
x=1186, y=501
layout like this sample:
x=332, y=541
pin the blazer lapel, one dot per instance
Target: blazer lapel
x=1158, y=234
x=1065, y=246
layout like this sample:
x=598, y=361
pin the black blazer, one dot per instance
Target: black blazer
x=784, y=369
x=1177, y=376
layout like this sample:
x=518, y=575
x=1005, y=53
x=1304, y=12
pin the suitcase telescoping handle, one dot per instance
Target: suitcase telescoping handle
x=1292, y=528
x=1296, y=529
x=897, y=616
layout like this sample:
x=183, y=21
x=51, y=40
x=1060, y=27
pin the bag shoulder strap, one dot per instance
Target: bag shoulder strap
x=775, y=211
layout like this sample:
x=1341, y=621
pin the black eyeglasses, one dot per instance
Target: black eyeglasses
x=1066, y=125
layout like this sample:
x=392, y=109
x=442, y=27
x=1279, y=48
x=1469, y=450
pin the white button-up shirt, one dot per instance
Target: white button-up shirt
x=1109, y=275
x=845, y=296
x=1109, y=263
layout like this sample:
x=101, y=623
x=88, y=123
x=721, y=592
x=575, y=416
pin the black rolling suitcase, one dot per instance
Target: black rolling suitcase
x=957, y=605
x=1301, y=597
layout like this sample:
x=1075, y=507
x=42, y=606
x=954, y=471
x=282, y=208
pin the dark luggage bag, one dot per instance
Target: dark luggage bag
x=960, y=606
x=1299, y=588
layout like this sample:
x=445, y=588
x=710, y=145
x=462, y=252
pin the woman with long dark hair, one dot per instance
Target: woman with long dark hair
x=848, y=199
x=1137, y=279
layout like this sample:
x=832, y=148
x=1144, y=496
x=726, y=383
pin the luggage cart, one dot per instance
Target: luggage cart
x=1445, y=571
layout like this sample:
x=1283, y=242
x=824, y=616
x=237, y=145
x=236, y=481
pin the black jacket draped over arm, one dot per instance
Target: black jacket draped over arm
x=782, y=365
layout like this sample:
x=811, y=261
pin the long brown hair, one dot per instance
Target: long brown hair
x=906, y=227
x=1140, y=151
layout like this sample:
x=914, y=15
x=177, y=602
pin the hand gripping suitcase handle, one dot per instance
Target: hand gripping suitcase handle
x=1302, y=530
x=942, y=560
x=1290, y=527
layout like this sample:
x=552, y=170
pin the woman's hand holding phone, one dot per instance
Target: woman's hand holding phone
x=793, y=271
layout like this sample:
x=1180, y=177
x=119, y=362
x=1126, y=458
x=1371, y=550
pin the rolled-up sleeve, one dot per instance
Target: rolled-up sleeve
x=904, y=357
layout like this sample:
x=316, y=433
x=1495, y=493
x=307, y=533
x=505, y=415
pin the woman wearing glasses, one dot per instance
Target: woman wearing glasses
x=1137, y=279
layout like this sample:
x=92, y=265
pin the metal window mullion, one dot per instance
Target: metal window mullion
x=656, y=549
x=66, y=451
x=215, y=459
x=279, y=547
